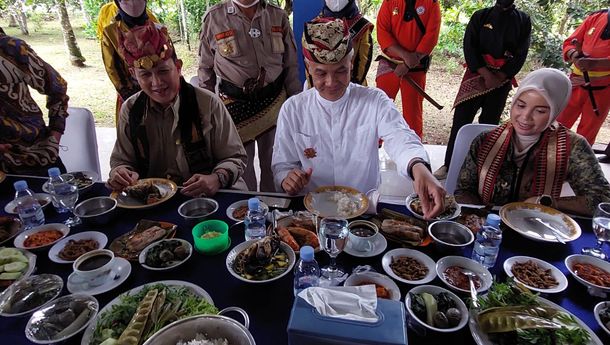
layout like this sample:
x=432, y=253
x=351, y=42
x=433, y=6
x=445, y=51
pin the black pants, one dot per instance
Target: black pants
x=491, y=105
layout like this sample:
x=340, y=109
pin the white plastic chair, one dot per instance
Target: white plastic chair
x=463, y=140
x=78, y=150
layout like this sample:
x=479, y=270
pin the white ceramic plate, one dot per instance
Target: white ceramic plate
x=240, y=203
x=378, y=246
x=89, y=180
x=601, y=306
x=166, y=187
x=323, y=201
x=44, y=200
x=20, y=239
x=481, y=338
x=142, y=256
x=449, y=216
x=478, y=269
x=357, y=279
x=435, y=290
x=101, y=239
x=120, y=273
x=516, y=215
x=194, y=288
x=242, y=246
x=575, y=258
x=556, y=273
x=419, y=256
x=40, y=316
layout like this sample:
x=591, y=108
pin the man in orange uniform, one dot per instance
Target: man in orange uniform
x=407, y=31
x=594, y=36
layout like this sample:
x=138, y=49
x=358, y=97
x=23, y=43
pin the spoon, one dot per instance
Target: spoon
x=558, y=234
x=473, y=290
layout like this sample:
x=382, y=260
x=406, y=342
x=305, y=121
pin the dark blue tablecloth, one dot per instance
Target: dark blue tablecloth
x=269, y=304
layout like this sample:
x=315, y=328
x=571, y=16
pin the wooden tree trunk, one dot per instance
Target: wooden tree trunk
x=16, y=10
x=12, y=23
x=76, y=57
x=184, y=24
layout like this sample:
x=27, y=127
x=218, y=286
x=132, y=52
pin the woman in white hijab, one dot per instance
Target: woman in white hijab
x=530, y=157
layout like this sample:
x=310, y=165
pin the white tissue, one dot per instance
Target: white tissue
x=346, y=302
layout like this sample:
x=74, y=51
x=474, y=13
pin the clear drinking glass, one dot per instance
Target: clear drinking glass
x=66, y=195
x=601, y=229
x=333, y=237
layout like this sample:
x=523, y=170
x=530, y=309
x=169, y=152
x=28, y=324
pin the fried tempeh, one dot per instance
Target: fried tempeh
x=402, y=229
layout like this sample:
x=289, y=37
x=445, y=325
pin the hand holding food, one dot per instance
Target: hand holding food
x=122, y=177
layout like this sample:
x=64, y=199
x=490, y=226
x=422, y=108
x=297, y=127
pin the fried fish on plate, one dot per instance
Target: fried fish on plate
x=144, y=191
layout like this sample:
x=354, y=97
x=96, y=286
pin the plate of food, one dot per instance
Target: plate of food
x=70, y=248
x=260, y=261
x=589, y=271
x=15, y=264
x=29, y=294
x=533, y=221
x=9, y=227
x=130, y=244
x=298, y=230
x=452, y=208
x=535, y=274
x=62, y=319
x=82, y=179
x=165, y=254
x=451, y=271
x=237, y=210
x=44, y=199
x=513, y=304
x=336, y=201
x=436, y=308
x=146, y=193
x=409, y=266
x=602, y=315
x=41, y=237
x=402, y=229
x=384, y=286
x=113, y=323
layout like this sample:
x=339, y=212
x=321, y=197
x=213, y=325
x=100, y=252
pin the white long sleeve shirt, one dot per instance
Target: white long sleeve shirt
x=344, y=136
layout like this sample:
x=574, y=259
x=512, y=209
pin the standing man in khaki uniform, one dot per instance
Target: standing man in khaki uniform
x=248, y=51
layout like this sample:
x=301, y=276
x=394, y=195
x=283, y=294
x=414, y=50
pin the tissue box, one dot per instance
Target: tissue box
x=307, y=326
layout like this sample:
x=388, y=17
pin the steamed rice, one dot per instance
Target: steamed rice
x=201, y=339
x=346, y=205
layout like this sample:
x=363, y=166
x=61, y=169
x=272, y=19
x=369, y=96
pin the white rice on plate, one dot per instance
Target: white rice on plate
x=346, y=205
x=201, y=339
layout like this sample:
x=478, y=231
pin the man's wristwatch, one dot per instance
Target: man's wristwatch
x=222, y=178
x=412, y=163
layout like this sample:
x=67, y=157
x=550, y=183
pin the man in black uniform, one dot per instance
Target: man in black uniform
x=496, y=43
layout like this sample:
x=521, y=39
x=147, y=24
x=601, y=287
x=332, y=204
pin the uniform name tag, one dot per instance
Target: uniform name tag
x=224, y=34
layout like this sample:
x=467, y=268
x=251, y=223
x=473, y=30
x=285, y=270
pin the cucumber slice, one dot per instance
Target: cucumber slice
x=10, y=275
x=7, y=252
x=17, y=266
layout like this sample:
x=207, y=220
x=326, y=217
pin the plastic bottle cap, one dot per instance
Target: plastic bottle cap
x=493, y=220
x=54, y=172
x=253, y=204
x=20, y=185
x=306, y=253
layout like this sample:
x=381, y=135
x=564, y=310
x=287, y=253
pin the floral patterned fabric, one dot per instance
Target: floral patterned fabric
x=515, y=184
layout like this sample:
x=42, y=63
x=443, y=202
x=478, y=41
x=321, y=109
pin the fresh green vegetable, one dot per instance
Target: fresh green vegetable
x=418, y=306
x=431, y=307
x=518, y=317
x=180, y=302
x=444, y=302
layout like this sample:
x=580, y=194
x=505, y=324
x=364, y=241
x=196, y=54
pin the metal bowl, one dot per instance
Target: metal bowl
x=197, y=210
x=211, y=326
x=48, y=325
x=450, y=236
x=96, y=211
x=29, y=294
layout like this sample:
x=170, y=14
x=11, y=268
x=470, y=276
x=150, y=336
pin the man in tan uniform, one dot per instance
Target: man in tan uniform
x=248, y=50
x=172, y=129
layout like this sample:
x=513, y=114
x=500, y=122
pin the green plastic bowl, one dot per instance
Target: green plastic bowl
x=214, y=245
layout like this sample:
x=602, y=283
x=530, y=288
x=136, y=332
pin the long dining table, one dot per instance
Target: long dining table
x=269, y=305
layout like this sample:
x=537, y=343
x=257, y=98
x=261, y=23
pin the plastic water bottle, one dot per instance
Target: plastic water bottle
x=487, y=244
x=28, y=207
x=255, y=220
x=306, y=271
x=56, y=181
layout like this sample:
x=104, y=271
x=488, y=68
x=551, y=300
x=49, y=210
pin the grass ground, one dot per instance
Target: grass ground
x=90, y=87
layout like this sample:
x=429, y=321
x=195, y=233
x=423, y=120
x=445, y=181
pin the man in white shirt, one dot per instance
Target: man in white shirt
x=328, y=135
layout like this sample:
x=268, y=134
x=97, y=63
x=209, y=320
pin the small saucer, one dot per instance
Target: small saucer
x=121, y=272
x=379, y=245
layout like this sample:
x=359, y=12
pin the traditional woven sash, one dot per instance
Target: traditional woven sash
x=551, y=158
x=473, y=84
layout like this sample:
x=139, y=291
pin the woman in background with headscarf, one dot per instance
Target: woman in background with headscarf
x=130, y=13
x=361, y=34
x=530, y=157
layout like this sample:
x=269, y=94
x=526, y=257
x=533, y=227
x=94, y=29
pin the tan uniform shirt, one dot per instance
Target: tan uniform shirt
x=234, y=48
x=165, y=149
